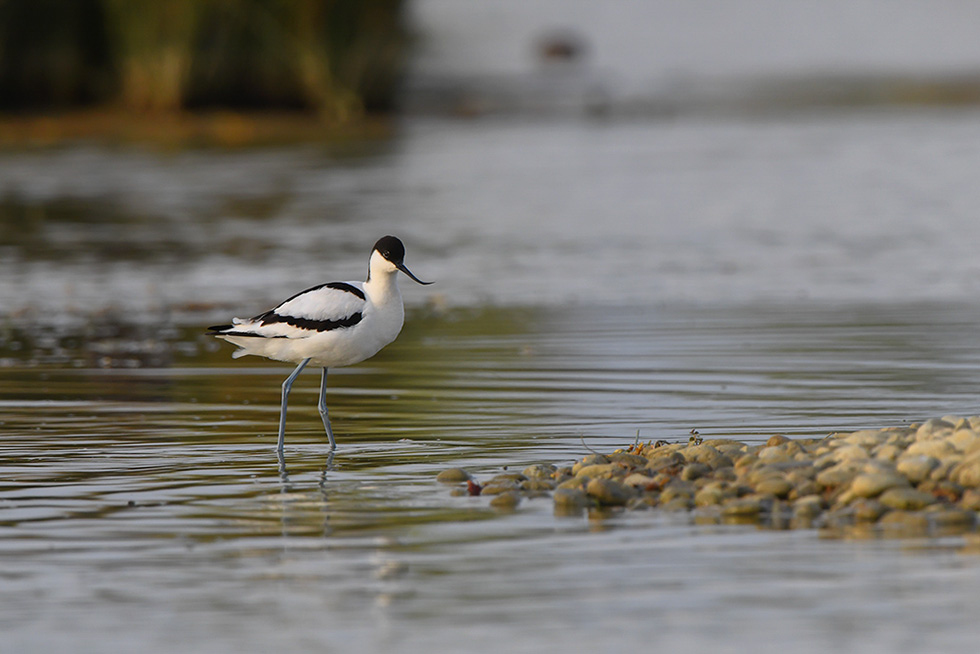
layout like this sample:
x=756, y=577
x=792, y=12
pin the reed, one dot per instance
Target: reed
x=337, y=58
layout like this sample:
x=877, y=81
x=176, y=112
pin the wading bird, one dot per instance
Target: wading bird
x=332, y=325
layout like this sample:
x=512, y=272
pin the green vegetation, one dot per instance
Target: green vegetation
x=337, y=59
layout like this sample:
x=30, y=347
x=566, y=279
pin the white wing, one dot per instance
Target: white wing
x=323, y=308
x=327, y=302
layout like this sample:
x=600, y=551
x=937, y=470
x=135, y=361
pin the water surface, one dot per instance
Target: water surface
x=148, y=503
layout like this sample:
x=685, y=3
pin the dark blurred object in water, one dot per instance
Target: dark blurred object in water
x=562, y=46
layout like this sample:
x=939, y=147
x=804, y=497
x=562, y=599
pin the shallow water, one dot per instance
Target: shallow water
x=145, y=507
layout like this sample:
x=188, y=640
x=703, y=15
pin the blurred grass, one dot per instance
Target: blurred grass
x=336, y=60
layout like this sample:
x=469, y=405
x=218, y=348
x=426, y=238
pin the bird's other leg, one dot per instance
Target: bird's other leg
x=286, y=386
x=322, y=406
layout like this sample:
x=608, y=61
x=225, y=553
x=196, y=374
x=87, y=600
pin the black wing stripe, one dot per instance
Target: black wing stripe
x=249, y=334
x=307, y=323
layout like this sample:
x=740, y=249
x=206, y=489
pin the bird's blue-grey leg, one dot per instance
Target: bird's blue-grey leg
x=286, y=386
x=322, y=406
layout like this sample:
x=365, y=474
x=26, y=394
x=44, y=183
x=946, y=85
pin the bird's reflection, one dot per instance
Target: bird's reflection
x=297, y=507
x=287, y=485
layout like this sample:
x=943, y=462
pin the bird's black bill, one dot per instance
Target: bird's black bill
x=408, y=272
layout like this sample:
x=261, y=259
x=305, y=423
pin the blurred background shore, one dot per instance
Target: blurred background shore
x=176, y=161
x=257, y=71
x=152, y=62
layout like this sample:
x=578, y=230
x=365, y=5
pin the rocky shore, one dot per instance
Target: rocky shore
x=916, y=480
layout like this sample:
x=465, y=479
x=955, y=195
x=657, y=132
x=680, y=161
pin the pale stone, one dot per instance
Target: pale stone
x=628, y=460
x=695, y=470
x=838, y=475
x=967, y=472
x=809, y=506
x=609, y=491
x=575, y=483
x=888, y=452
x=933, y=428
x=777, y=486
x=935, y=448
x=498, y=487
x=866, y=438
x=538, y=470
x=906, y=499
x=905, y=522
x=945, y=468
x=971, y=499
x=590, y=460
x=916, y=468
x=538, y=484
x=851, y=453
x=867, y=510
x=746, y=507
x=638, y=480
x=872, y=484
x=953, y=421
x=453, y=476
x=709, y=496
x=601, y=470
x=506, y=501
x=570, y=499
x=678, y=489
x=964, y=439
x=707, y=455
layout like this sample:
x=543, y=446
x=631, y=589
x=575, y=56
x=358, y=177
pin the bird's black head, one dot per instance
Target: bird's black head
x=391, y=249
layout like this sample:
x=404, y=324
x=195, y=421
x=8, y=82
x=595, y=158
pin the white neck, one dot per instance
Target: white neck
x=382, y=281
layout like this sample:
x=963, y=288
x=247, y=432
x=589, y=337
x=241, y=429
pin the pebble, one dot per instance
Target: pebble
x=773, y=485
x=808, y=506
x=838, y=475
x=851, y=453
x=638, y=480
x=695, y=470
x=967, y=472
x=873, y=484
x=742, y=508
x=629, y=460
x=506, y=501
x=590, y=460
x=609, y=492
x=934, y=448
x=453, y=476
x=539, y=471
x=709, y=496
x=570, y=498
x=866, y=510
x=604, y=470
x=496, y=487
x=706, y=454
x=899, y=481
x=970, y=499
x=908, y=499
x=907, y=523
x=917, y=468
x=538, y=485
